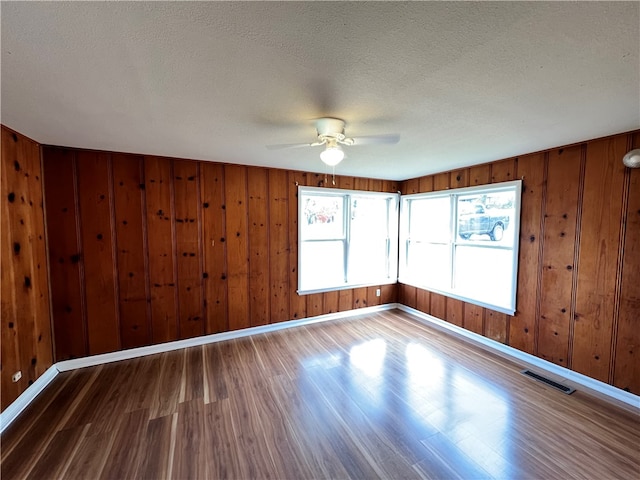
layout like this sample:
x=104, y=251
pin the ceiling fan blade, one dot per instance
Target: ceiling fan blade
x=385, y=139
x=283, y=146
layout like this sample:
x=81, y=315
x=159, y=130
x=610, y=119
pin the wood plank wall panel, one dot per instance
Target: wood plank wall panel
x=503, y=171
x=438, y=305
x=372, y=296
x=214, y=246
x=560, y=223
x=345, y=300
x=595, y=303
x=578, y=255
x=133, y=285
x=346, y=183
x=524, y=324
x=278, y=232
x=237, y=246
x=361, y=183
x=360, y=297
x=479, y=175
x=67, y=286
x=26, y=321
x=41, y=338
x=389, y=293
x=331, y=302
x=160, y=218
x=441, y=181
x=473, y=318
x=423, y=300
x=410, y=296
x=411, y=186
x=390, y=186
x=258, y=192
x=459, y=178
x=186, y=184
x=95, y=217
x=454, y=311
x=625, y=373
x=10, y=352
x=375, y=185
x=425, y=184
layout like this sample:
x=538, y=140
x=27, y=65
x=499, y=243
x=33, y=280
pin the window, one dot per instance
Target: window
x=463, y=243
x=346, y=239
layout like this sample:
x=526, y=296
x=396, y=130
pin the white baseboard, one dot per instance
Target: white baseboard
x=19, y=404
x=216, y=337
x=594, y=387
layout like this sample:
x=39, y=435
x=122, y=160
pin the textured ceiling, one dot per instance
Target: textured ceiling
x=461, y=82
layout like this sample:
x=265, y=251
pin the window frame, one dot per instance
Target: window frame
x=347, y=196
x=406, y=277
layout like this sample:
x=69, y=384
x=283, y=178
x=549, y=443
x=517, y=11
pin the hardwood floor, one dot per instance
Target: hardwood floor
x=377, y=396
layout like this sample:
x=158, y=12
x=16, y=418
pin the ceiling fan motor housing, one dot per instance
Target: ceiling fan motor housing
x=331, y=131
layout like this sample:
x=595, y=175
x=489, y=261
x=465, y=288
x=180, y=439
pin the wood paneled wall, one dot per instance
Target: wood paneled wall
x=145, y=250
x=578, y=297
x=26, y=322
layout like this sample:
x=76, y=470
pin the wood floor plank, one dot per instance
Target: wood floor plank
x=193, y=377
x=143, y=383
x=112, y=401
x=216, y=385
x=129, y=446
x=314, y=445
x=90, y=458
x=189, y=457
x=254, y=458
x=380, y=395
x=63, y=446
x=222, y=459
x=167, y=395
x=158, y=460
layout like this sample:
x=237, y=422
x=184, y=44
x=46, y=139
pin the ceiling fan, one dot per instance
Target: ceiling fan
x=331, y=134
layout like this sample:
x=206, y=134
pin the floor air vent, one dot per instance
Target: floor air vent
x=551, y=383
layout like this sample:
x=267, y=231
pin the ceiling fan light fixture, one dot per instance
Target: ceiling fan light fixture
x=332, y=155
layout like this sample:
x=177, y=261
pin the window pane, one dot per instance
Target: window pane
x=368, y=240
x=485, y=274
x=368, y=261
x=322, y=265
x=322, y=217
x=430, y=219
x=487, y=217
x=430, y=264
x=368, y=218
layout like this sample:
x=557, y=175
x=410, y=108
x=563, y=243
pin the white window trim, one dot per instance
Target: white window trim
x=453, y=193
x=392, y=246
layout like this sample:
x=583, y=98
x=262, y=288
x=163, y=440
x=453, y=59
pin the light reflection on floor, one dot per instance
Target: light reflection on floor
x=430, y=393
x=368, y=357
x=461, y=405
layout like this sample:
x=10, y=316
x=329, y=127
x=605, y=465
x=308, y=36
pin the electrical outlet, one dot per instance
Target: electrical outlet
x=16, y=376
x=377, y=292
